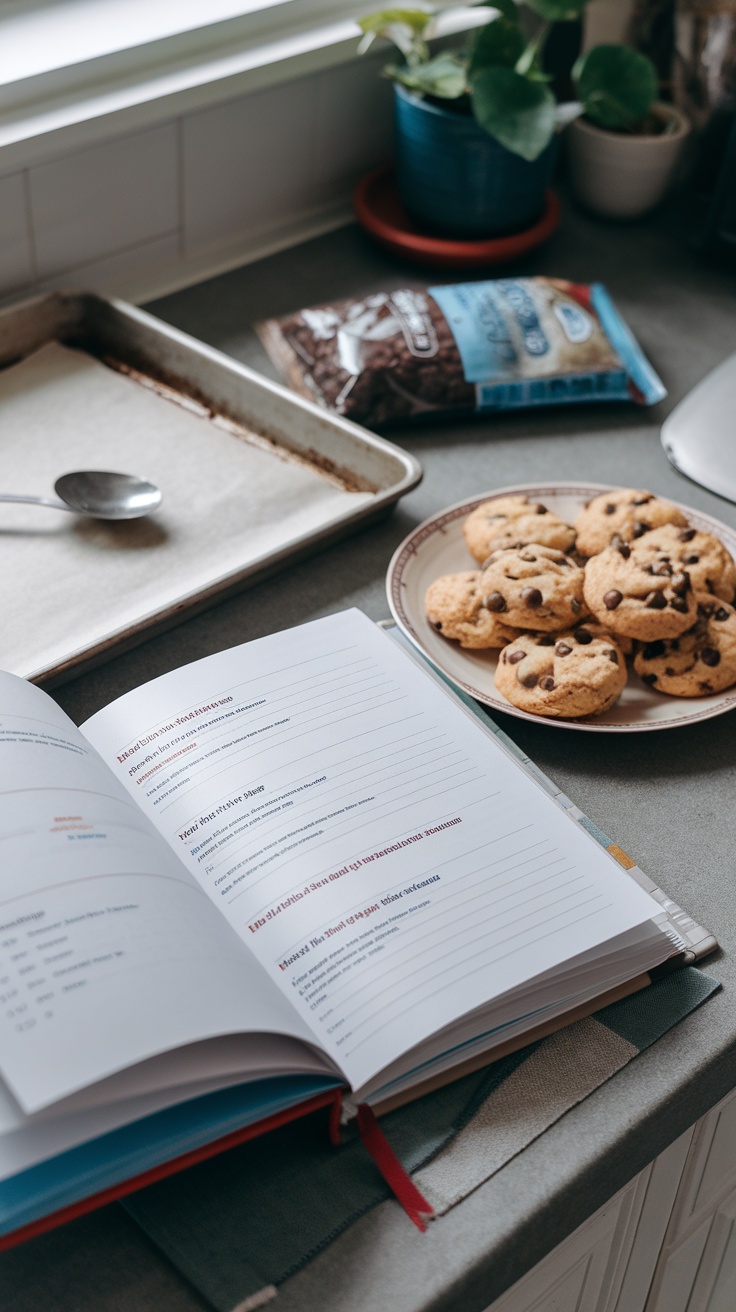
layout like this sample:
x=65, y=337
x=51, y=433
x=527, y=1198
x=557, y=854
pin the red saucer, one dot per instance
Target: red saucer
x=381, y=213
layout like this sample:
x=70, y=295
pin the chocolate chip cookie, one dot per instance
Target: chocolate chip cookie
x=700, y=661
x=710, y=566
x=455, y=608
x=513, y=522
x=639, y=594
x=533, y=587
x=624, y=514
x=590, y=627
x=562, y=674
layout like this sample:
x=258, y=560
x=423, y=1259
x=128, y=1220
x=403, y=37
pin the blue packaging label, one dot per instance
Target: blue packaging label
x=604, y=385
x=479, y=327
x=540, y=341
x=492, y=323
x=516, y=297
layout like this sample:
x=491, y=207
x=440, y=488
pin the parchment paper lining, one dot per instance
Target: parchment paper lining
x=67, y=582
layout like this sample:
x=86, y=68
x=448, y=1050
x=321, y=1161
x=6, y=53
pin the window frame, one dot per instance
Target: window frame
x=82, y=100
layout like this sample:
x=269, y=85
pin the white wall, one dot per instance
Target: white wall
x=146, y=212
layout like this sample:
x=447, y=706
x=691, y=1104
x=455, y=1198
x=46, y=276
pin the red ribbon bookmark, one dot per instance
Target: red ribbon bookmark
x=398, y=1180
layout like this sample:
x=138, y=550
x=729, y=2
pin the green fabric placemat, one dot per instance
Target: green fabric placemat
x=239, y=1225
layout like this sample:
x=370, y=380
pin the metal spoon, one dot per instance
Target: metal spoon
x=99, y=493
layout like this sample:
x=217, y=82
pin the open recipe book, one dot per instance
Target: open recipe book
x=297, y=864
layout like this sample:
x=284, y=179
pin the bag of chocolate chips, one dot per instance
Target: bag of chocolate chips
x=477, y=346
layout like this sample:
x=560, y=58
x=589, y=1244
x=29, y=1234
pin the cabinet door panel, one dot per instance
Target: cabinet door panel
x=716, y=1275
x=570, y=1276
x=639, y=1248
x=675, y=1279
x=606, y=1265
x=720, y=1166
x=577, y=1274
x=710, y=1170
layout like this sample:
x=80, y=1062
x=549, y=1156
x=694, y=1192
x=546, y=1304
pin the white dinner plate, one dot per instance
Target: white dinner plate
x=437, y=547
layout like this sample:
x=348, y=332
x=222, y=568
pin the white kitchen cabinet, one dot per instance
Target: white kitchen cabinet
x=696, y=1271
x=664, y=1243
x=607, y=1264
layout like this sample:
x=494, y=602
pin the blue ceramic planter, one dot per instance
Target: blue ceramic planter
x=456, y=180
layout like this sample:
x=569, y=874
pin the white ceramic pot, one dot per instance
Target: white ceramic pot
x=621, y=175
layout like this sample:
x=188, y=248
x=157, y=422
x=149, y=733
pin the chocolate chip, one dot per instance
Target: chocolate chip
x=674, y=644
x=514, y=657
x=613, y=599
x=705, y=687
x=653, y=650
x=680, y=604
x=692, y=560
x=624, y=550
x=610, y=509
x=709, y=656
x=541, y=510
x=681, y=584
x=583, y=636
x=562, y=649
x=642, y=501
x=669, y=670
x=649, y=678
x=548, y=683
x=686, y=534
x=612, y=655
x=528, y=680
x=531, y=597
x=575, y=606
x=656, y=601
x=495, y=602
x=648, y=569
x=640, y=528
x=438, y=626
x=721, y=614
x=546, y=640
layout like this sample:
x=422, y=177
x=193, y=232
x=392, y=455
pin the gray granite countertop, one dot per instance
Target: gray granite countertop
x=667, y=798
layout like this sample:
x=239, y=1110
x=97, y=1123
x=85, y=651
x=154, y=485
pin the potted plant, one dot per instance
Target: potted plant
x=621, y=166
x=476, y=128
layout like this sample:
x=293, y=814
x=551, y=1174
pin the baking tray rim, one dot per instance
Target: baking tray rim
x=383, y=499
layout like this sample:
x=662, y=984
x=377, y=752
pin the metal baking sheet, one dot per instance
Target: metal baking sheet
x=252, y=475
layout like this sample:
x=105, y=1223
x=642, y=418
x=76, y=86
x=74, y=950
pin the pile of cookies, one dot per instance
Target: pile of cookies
x=568, y=603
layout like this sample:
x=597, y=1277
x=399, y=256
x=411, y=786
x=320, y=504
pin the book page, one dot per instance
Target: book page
x=384, y=858
x=109, y=950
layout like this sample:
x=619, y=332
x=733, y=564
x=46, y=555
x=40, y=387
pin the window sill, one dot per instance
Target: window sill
x=120, y=94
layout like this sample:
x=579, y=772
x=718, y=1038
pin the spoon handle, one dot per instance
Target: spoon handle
x=35, y=501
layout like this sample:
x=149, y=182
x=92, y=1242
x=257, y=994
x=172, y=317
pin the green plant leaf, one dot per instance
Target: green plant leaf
x=529, y=63
x=616, y=84
x=403, y=27
x=500, y=42
x=416, y=19
x=445, y=76
x=558, y=11
x=518, y=113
